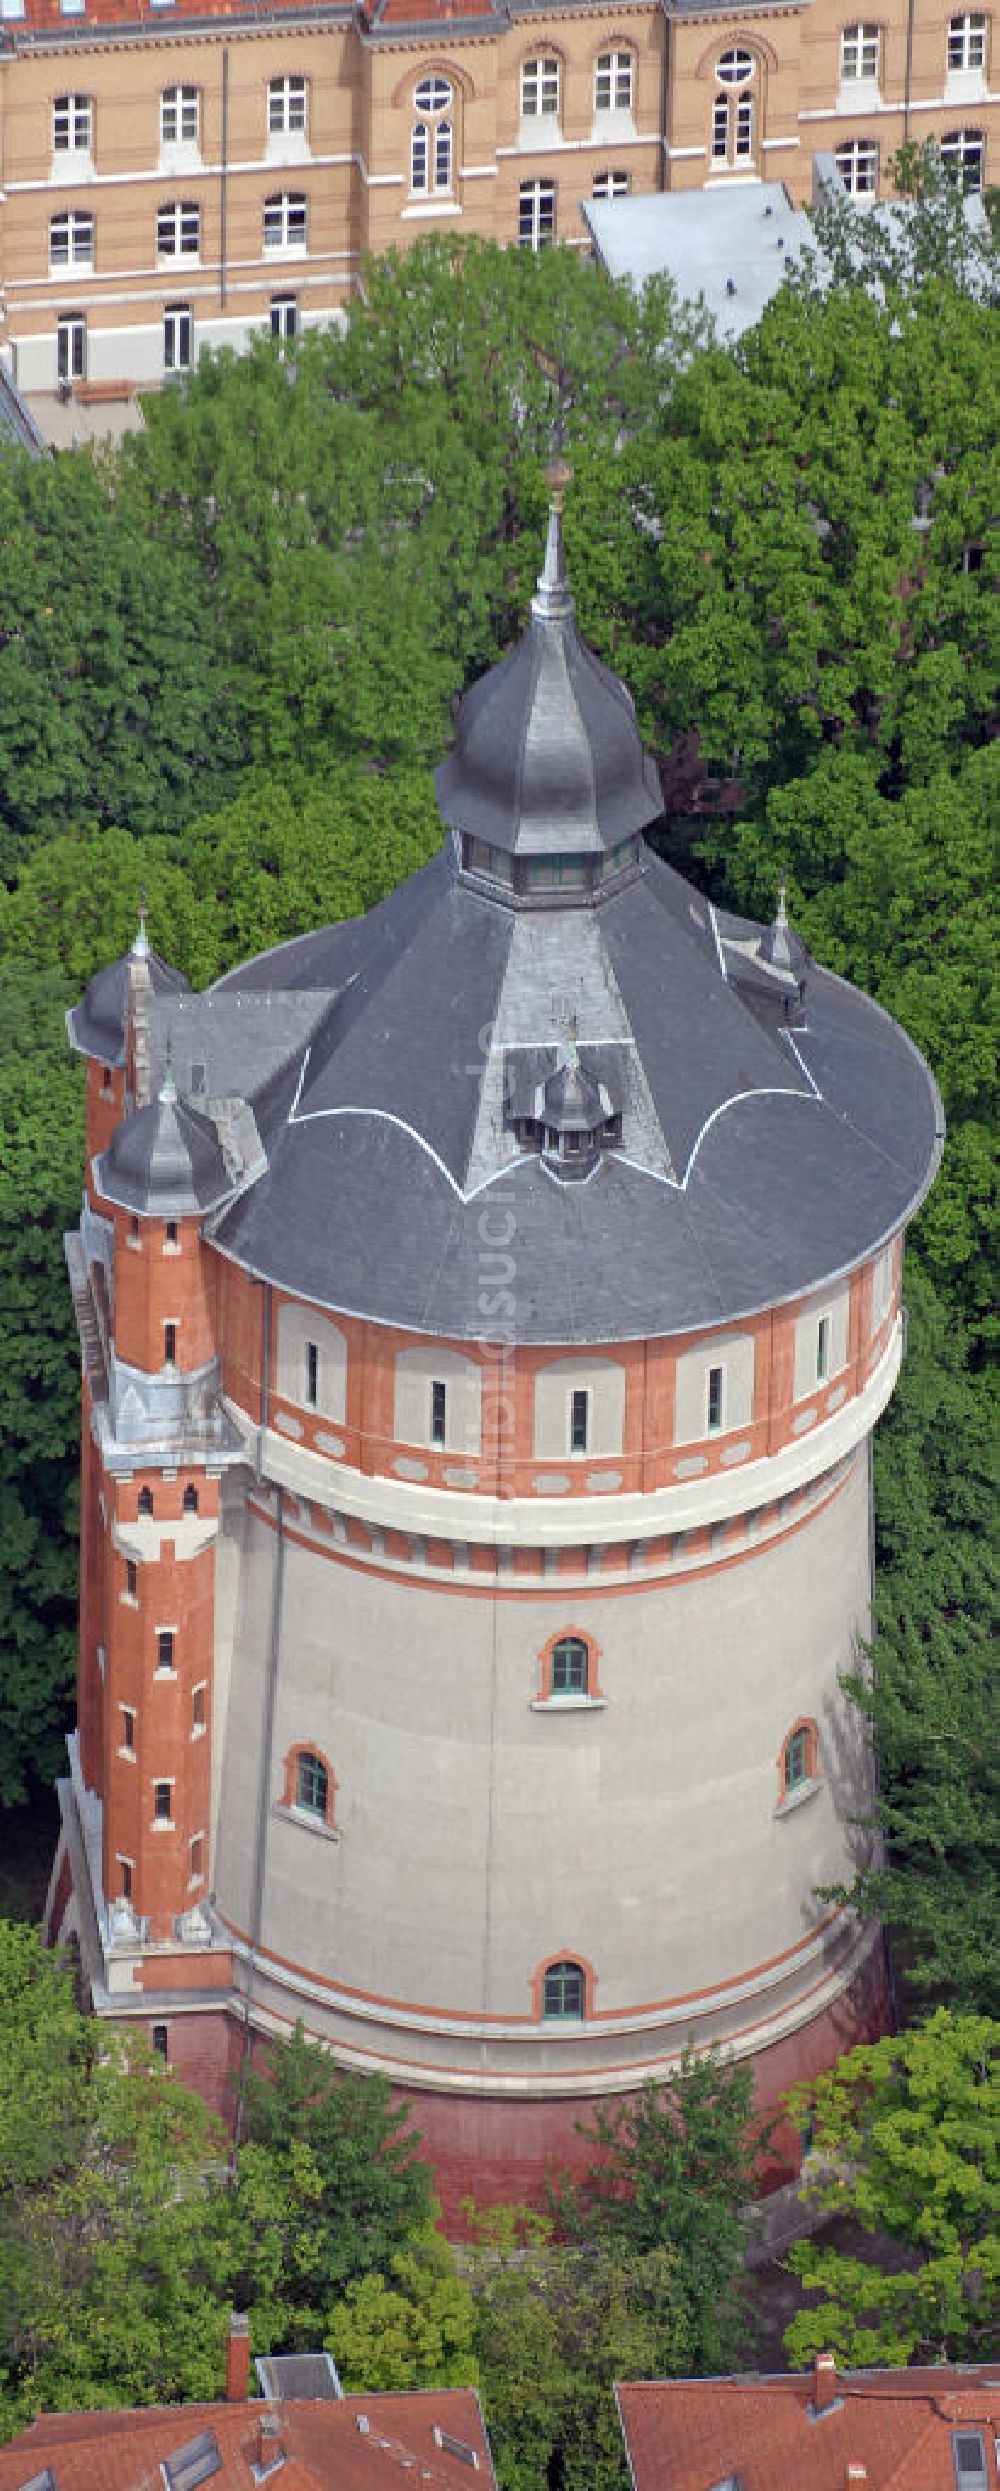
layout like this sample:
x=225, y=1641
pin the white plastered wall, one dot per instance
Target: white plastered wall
x=833, y=1304
x=416, y=1371
x=734, y=1353
x=604, y=1380
x=297, y=1327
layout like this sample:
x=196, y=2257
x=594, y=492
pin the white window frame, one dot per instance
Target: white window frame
x=860, y=53
x=536, y=214
x=580, y=1452
x=287, y=106
x=178, y=230
x=432, y=149
x=178, y=333
x=72, y=125
x=180, y=116
x=614, y=185
x=736, y=66
x=284, y=314
x=614, y=82
x=541, y=87
x=71, y=239
x=71, y=346
x=285, y=229
x=715, y=1426
x=960, y=151
x=966, y=52
x=857, y=162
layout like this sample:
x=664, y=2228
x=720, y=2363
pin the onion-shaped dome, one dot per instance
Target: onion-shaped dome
x=165, y=1161
x=97, y=1025
x=548, y=760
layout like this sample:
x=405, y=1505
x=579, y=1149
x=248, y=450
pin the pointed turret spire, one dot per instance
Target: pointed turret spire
x=140, y=947
x=552, y=601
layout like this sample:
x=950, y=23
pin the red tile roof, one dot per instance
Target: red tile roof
x=888, y=2430
x=323, y=2443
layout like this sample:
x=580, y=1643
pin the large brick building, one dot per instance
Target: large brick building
x=485, y=1309
x=185, y=172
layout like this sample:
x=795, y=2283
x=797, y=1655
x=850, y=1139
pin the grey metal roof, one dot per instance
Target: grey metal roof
x=775, y=1125
x=165, y=1160
x=548, y=756
x=706, y=240
x=755, y=1161
x=97, y=1025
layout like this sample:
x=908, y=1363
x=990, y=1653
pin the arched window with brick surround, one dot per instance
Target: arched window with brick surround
x=798, y=1764
x=563, y=1990
x=310, y=1785
x=568, y=1668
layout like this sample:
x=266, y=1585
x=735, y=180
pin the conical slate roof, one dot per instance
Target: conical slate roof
x=165, y=1160
x=97, y=1025
x=548, y=758
x=763, y=1127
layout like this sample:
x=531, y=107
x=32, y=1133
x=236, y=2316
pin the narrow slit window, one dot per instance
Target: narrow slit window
x=312, y=1374
x=165, y=1648
x=145, y=1500
x=169, y=1344
x=128, y=1730
x=131, y=1578
x=190, y=1499
x=162, y=1797
x=822, y=1349
x=579, y=1422
x=439, y=1408
x=715, y=1400
x=198, y=1708
x=125, y=1879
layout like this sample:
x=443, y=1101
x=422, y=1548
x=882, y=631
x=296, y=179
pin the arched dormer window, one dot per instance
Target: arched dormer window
x=734, y=112
x=432, y=152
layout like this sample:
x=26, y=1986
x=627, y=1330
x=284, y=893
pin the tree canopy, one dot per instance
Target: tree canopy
x=906, y=2140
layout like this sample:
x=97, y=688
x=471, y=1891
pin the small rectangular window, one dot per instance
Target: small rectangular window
x=171, y=1232
x=284, y=317
x=165, y=1648
x=579, y=1422
x=197, y=1869
x=439, y=1405
x=178, y=336
x=125, y=1880
x=198, y=1708
x=822, y=1349
x=131, y=1577
x=159, y=2040
x=162, y=1796
x=128, y=1730
x=715, y=1400
x=312, y=1374
x=169, y=1344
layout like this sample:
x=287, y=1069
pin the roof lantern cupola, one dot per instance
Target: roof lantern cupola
x=548, y=789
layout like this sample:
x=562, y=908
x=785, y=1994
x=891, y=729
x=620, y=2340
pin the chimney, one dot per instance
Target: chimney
x=824, y=2382
x=271, y=2453
x=238, y=2359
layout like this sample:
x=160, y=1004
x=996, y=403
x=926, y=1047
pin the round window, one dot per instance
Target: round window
x=432, y=95
x=733, y=68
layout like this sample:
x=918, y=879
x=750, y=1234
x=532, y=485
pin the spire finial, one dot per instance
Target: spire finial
x=140, y=947
x=553, y=600
x=782, y=916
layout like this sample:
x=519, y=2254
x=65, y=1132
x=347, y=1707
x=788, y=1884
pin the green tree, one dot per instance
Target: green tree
x=412, y=2327
x=674, y=2170
x=555, y=2328
x=113, y=703
x=376, y=2192
x=906, y=2141
x=111, y=2291
x=41, y=1158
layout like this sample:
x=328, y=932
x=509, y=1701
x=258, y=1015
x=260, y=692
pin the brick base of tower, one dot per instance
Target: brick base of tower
x=504, y=2152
